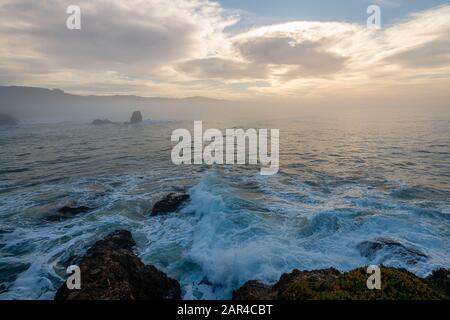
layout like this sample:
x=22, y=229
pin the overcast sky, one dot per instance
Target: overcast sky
x=289, y=50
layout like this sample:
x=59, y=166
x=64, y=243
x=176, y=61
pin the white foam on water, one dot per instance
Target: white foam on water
x=227, y=234
x=227, y=246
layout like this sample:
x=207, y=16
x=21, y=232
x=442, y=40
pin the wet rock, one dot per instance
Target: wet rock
x=99, y=122
x=372, y=248
x=171, y=203
x=440, y=281
x=67, y=212
x=136, y=117
x=330, y=284
x=255, y=290
x=291, y=286
x=7, y=120
x=111, y=271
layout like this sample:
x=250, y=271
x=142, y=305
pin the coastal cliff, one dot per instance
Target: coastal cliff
x=111, y=271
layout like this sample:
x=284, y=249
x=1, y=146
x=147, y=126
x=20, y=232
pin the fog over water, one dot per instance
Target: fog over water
x=38, y=105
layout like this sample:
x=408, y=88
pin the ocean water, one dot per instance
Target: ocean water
x=342, y=182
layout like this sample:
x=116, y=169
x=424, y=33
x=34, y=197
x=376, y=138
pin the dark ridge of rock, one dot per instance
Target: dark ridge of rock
x=283, y=289
x=330, y=284
x=440, y=281
x=111, y=271
x=136, y=117
x=171, y=203
x=254, y=290
x=67, y=212
x=371, y=248
x=99, y=122
x=7, y=120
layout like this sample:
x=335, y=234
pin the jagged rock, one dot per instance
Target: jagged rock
x=171, y=203
x=98, y=122
x=7, y=120
x=330, y=284
x=254, y=290
x=370, y=249
x=67, y=212
x=111, y=271
x=440, y=281
x=284, y=288
x=136, y=117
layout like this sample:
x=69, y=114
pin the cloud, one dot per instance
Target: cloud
x=135, y=37
x=159, y=47
x=218, y=68
x=432, y=54
x=307, y=57
x=421, y=42
x=283, y=52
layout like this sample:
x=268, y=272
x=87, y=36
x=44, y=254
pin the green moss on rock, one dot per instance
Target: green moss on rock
x=330, y=284
x=395, y=285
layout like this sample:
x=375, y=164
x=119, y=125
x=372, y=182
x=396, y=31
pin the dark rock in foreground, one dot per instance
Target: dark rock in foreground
x=282, y=290
x=99, y=122
x=330, y=284
x=171, y=203
x=111, y=271
x=136, y=117
x=7, y=120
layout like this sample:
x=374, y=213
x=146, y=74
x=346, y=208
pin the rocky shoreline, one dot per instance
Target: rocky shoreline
x=111, y=271
x=331, y=284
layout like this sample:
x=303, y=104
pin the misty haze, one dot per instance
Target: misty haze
x=88, y=182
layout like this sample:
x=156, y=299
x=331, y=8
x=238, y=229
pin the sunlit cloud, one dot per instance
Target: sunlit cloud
x=167, y=48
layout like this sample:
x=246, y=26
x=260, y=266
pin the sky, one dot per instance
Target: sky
x=327, y=10
x=292, y=51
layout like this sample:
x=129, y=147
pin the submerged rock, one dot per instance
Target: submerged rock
x=99, y=122
x=171, y=203
x=136, y=117
x=370, y=249
x=68, y=212
x=7, y=120
x=330, y=284
x=111, y=271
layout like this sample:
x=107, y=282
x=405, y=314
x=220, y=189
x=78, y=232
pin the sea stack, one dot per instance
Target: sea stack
x=136, y=117
x=171, y=203
x=99, y=122
x=7, y=120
